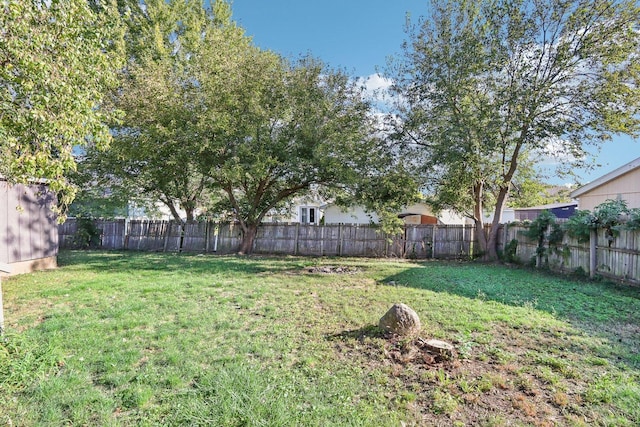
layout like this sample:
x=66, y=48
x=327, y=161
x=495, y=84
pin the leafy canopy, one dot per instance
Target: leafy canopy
x=487, y=89
x=155, y=154
x=58, y=60
x=211, y=118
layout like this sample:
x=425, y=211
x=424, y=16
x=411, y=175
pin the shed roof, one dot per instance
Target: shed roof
x=548, y=207
x=632, y=165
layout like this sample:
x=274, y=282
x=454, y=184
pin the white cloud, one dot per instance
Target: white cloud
x=556, y=150
x=377, y=89
x=375, y=83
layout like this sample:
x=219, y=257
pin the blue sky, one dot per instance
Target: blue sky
x=358, y=36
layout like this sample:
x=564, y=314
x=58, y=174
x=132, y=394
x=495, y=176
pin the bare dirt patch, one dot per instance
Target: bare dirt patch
x=470, y=390
x=332, y=269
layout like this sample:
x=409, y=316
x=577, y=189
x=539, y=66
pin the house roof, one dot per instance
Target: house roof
x=31, y=181
x=548, y=207
x=632, y=165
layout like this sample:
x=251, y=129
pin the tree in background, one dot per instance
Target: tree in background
x=532, y=192
x=154, y=156
x=58, y=60
x=486, y=87
x=292, y=128
x=207, y=115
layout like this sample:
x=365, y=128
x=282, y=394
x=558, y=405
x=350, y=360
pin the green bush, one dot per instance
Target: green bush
x=87, y=234
x=509, y=254
x=547, y=233
x=580, y=224
x=633, y=222
x=608, y=216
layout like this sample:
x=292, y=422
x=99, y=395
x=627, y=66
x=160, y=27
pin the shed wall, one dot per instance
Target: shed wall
x=28, y=227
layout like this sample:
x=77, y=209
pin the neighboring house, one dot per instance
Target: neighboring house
x=28, y=227
x=334, y=214
x=419, y=213
x=159, y=211
x=620, y=184
x=508, y=215
x=560, y=210
x=303, y=210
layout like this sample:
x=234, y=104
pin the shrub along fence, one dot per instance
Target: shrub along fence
x=618, y=259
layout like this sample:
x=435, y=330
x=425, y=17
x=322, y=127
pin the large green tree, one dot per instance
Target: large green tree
x=486, y=87
x=291, y=128
x=58, y=60
x=209, y=115
x=154, y=157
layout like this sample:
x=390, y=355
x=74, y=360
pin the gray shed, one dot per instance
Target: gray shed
x=28, y=227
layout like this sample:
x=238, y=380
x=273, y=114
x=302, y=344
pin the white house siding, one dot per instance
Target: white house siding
x=294, y=213
x=355, y=215
x=508, y=215
x=452, y=218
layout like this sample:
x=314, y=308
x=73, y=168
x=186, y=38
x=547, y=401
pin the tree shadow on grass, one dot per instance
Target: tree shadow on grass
x=369, y=331
x=125, y=261
x=598, y=308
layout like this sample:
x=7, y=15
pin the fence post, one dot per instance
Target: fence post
x=386, y=245
x=505, y=235
x=340, y=239
x=124, y=233
x=593, y=252
x=216, y=230
x=404, y=240
x=166, y=236
x=462, y=245
x=295, y=242
x=433, y=242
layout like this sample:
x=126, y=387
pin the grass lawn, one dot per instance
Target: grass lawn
x=162, y=339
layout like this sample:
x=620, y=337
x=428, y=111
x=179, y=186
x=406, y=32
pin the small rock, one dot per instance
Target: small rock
x=441, y=348
x=401, y=320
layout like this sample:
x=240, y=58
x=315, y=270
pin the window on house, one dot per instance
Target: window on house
x=308, y=215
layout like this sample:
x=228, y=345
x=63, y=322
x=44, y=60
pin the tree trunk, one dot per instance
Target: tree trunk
x=492, y=244
x=249, y=233
x=172, y=208
x=477, y=218
x=482, y=238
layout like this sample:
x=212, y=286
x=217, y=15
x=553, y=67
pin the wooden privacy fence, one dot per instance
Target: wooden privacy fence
x=416, y=241
x=619, y=260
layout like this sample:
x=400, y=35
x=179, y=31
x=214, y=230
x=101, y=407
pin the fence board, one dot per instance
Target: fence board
x=195, y=237
x=227, y=239
x=112, y=233
x=275, y=239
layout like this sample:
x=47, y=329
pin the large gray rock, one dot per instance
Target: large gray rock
x=400, y=320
